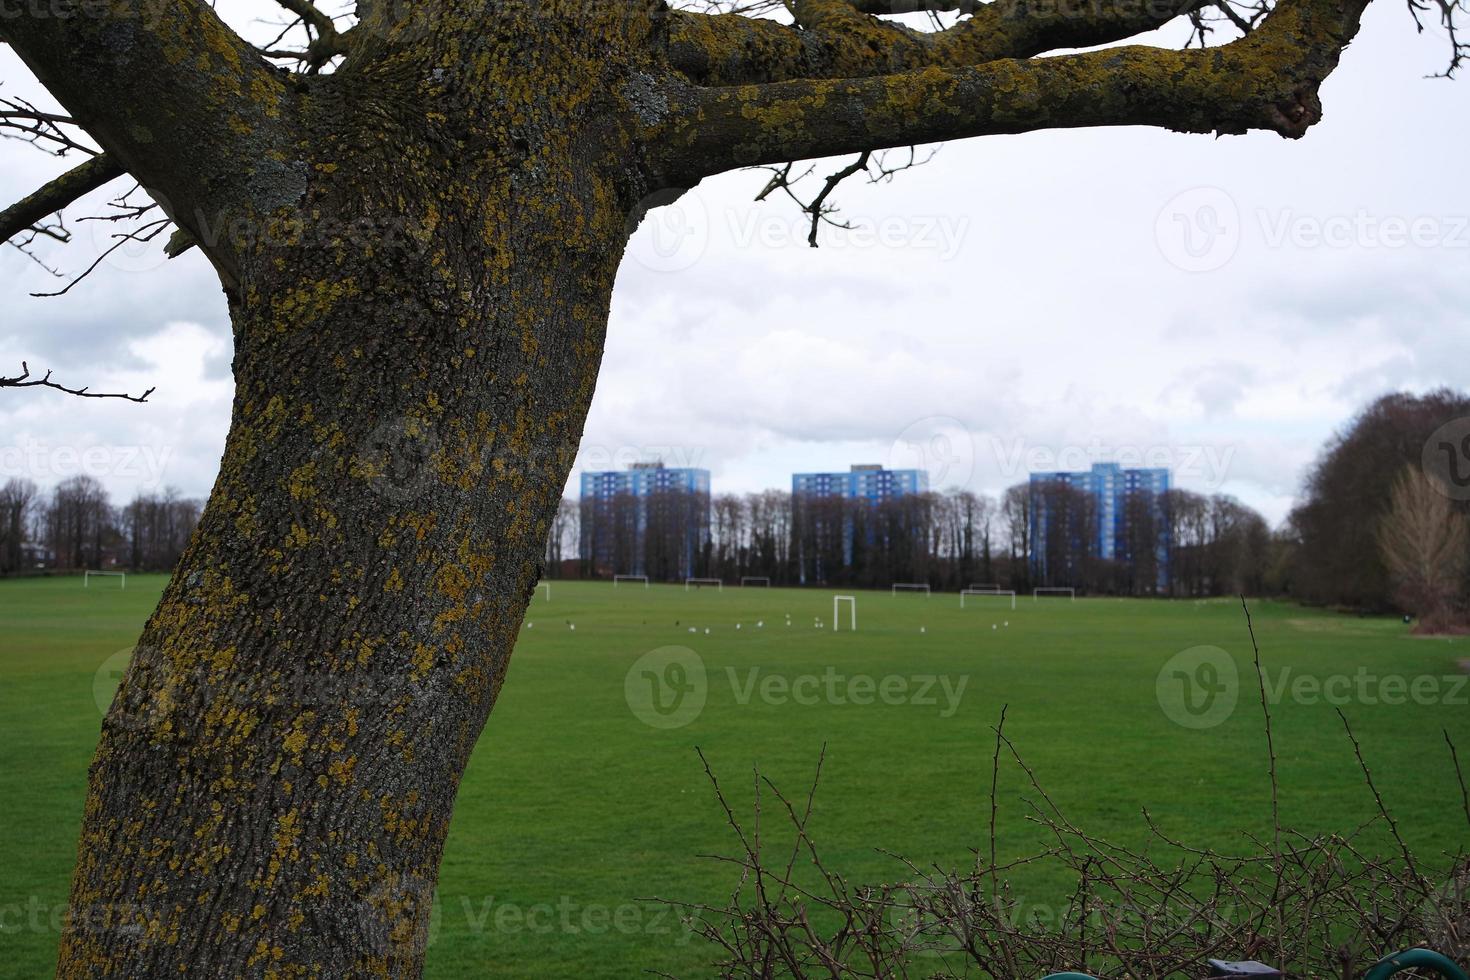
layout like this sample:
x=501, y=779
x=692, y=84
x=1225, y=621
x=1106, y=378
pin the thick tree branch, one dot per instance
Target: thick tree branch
x=837, y=39
x=24, y=380
x=1266, y=81
x=179, y=101
x=28, y=212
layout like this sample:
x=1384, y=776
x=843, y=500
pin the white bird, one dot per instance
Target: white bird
x=530, y=626
x=992, y=626
x=706, y=631
x=923, y=629
x=761, y=625
x=737, y=625
x=571, y=626
x=693, y=630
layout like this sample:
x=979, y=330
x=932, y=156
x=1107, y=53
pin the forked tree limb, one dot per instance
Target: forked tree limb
x=1265, y=81
x=176, y=97
x=842, y=41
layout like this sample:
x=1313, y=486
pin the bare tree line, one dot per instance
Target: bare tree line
x=1374, y=531
x=76, y=526
x=948, y=540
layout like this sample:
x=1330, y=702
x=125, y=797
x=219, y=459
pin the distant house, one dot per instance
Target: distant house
x=35, y=555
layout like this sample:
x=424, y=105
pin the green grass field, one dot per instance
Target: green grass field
x=576, y=814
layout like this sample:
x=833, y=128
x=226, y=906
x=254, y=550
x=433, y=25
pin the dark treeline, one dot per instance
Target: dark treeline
x=948, y=541
x=1382, y=522
x=1195, y=545
x=76, y=526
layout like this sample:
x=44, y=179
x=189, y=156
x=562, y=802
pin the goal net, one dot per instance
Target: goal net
x=88, y=575
x=837, y=601
x=910, y=587
x=989, y=594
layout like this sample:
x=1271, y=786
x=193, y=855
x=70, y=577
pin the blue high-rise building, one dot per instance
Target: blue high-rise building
x=869, y=482
x=1108, y=513
x=834, y=514
x=646, y=520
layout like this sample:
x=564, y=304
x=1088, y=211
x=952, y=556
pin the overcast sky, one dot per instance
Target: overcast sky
x=1217, y=306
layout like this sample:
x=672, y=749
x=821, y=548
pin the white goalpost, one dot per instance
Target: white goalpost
x=755, y=580
x=1036, y=594
x=910, y=587
x=703, y=582
x=547, y=587
x=851, y=601
x=991, y=593
x=88, y=573
x=630, y=578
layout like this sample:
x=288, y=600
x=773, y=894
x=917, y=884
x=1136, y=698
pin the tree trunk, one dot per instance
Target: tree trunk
x=414, y=365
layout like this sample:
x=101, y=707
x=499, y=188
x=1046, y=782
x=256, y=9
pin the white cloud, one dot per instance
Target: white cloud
x=1017, y=285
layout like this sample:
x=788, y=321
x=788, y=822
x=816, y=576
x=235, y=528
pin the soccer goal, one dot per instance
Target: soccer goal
x=1036, y=594
x=702, y=582
x=617, y=579
x=88, y=575
x=910, y=587
x=990, y=593
x=837, y=601
x=547, y=587
x=755, y=580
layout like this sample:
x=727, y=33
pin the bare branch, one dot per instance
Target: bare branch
x=1266, y=81
x=209, y=130
x=1448, y=12
x=31, y=210
x=24, y=380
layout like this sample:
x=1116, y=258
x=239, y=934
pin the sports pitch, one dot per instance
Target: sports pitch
x=586, y=803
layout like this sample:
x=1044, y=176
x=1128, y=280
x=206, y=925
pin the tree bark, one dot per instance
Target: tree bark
x=419, y=251
x=415, y=359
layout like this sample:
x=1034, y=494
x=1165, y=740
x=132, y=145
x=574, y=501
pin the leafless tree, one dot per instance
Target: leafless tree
x=157, y=527
x=17, y=500
x=416, y=215
x=1426, y=548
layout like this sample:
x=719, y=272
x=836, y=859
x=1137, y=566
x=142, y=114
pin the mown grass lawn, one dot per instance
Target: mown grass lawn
x=577, y=815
